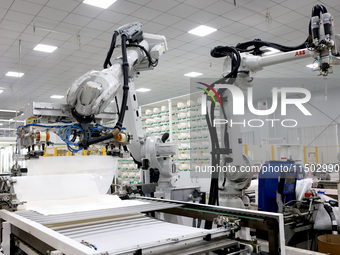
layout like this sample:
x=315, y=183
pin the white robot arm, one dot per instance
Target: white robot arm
x=246, y=59
x=90, y=94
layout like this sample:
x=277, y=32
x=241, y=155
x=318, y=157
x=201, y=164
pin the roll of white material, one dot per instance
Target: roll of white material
x=149, y=121
x=150, y=130
x=183, y=135
x=182, y=115
x=184, y=145
x=164, y=108
x=165, y=118
x=156, y=110
x=180, y=105
x=183, y=124
x=157, y=119
x=148, y=112
x=184, y=156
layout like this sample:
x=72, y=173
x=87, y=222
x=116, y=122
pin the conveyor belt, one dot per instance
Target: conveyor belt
x=120, y=237
x=124, y=234
x=80, y=216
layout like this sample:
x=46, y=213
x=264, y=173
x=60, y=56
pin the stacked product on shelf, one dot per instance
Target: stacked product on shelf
x=128, y=172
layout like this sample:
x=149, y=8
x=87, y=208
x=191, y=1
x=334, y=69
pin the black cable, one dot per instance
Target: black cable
x=213, y=198
x=258, y=43
x=323, y=9
x=125, y=67
x=151, y=63
x=213, y=181
x=220, y=51
x=223, y=51
x=117, y=106
x=110, y=52
x=330, y=212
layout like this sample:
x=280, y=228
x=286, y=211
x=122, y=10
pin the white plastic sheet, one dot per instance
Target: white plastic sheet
x=81, y=204
x=56, y=185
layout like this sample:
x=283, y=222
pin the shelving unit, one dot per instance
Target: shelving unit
x=187, y=128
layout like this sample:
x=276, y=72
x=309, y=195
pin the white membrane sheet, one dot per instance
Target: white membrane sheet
x=82, y=204
x=56, y=185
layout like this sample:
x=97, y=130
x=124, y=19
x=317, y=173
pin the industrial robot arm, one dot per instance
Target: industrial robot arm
x=88, y=98
x=242, y=63
x=90, y=94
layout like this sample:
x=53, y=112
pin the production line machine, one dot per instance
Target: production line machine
x=122, y=230
x=81, y=123
x=242, y=62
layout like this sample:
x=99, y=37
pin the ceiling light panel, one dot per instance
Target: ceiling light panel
x=57, y=97
x=100, y=3
x=202, y=30
x=45, y=48
x=14, y=74
x=142, y=90
x=193, y=74
x=2, y=110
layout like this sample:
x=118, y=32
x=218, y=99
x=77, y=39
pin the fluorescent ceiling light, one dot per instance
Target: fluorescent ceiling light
x=192, y=74
x=1, y=91
x=45, y=48
x=14, y=74
x=202, y=30
x=143, y=90
x=100, y=3
x=57, y=97
x=313, y=66
x=2, y=110
x=1, y=124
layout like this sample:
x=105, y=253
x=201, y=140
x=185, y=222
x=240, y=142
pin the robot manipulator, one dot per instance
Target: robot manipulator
x=247, y=58
x=78, y=121
x=240, y=66
x=90, y=94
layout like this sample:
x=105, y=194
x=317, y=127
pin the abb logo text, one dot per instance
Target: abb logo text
x=300, y=53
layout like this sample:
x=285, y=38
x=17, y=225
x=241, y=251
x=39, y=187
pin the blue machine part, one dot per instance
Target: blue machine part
x=269, y=178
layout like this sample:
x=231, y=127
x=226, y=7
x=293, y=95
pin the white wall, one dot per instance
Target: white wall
x=323, y=113
x=320, y=129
